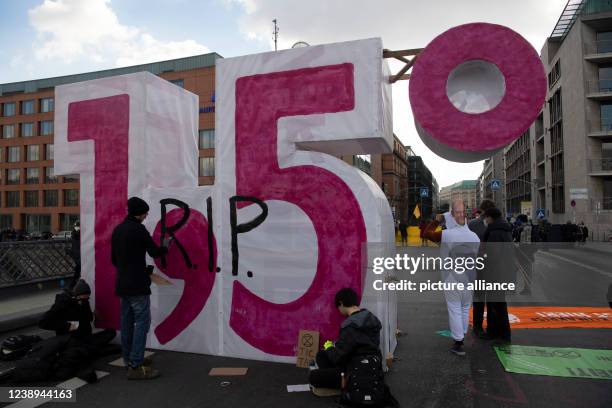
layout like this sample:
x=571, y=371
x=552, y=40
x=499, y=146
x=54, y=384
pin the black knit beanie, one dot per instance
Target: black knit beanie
x=137, y=206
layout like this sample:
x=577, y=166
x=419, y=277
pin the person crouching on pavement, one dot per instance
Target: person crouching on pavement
x=359, y=336
x=130, y=242
x=71, y=314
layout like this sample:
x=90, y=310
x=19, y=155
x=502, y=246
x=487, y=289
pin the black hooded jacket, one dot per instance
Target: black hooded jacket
x=359, y=335
x=67, y=309
x=130, y=243
x=500, y=265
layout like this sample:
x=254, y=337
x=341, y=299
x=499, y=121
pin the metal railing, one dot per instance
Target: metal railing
x=602, y=125
x=598, y=47
x=600, y=86
x=23, y=262
x=596, y=165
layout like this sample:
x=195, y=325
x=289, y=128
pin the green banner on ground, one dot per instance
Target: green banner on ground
x=556, y=362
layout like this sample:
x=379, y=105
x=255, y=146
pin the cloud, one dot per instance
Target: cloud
x=71, y=30
x=401, y=24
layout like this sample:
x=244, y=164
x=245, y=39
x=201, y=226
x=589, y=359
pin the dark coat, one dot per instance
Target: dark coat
x=75, y=246
x=68, y=309
x=500, y=265
x=359, y=335
x=130, y=243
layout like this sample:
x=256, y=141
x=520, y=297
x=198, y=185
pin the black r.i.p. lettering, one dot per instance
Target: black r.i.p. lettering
x=242, y=228
x=170, y=230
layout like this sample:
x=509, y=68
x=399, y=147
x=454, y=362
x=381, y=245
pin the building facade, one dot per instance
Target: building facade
x=464, y=190
x=569, y=146
x=32, y=198
x=491, y=182
x=421, y=189
x=395, y=179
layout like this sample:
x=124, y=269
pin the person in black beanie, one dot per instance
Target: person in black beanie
x=130, y=242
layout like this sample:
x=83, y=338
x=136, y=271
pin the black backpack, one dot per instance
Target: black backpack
x=365, y=384
x=15, y=347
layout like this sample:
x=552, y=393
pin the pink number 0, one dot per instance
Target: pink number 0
x=329, y=203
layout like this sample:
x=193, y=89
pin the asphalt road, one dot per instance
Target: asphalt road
x=425, y=374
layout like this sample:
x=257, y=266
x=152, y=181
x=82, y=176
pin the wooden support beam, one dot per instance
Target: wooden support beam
x=400, y=74
x=401, y=53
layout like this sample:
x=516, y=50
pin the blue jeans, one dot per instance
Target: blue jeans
x=135, y=324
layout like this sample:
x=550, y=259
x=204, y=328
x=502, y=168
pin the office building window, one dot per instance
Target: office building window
x=38, y=223
x=33, y=152
x=207, y=166
x=31, y=198
x=12, y=199
x=12, y=176
x=50, y=175
x=49, y=152
x=178, y=82
x=50, y=198
x=32, y=175
x=67, y=221
x=27, y=107
x=8, y=109
x=71, y=178
x=71, y=198
x=13, y=154
x=27, y=129
x=207, y=138
x=47, y=105
x=46, y=127
x=6, y=221
x=8, y=131
x=604, y=41
x=605, y=78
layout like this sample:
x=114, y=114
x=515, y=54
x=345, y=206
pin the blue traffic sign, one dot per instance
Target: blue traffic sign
x=540, y=213
x=424, y=192
x=495, y=184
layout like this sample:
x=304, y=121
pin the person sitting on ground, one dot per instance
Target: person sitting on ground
x=70, y=312
x=359, y=336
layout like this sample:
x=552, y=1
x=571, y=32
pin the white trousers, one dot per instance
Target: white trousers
x=458, y=303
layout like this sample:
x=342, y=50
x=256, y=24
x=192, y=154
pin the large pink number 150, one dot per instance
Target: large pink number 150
x=261, y=100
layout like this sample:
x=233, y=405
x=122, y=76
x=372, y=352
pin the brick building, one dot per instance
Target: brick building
x=32, y=198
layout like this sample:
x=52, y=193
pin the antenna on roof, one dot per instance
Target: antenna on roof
x=275, y=34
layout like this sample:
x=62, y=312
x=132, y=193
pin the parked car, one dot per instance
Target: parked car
x=62, y=235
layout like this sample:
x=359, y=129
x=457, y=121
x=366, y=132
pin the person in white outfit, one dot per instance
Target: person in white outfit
x=457, y=241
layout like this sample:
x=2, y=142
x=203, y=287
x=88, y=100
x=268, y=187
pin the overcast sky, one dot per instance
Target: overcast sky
x=58, y=37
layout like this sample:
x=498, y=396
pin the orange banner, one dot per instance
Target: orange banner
x=557, y=317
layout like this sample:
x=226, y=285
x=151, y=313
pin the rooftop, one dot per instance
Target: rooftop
x=179, y=64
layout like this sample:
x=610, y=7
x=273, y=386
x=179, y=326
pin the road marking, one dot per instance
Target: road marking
x=590, y=268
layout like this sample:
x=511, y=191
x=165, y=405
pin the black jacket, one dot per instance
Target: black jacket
x=130, y=243
x=68, y=309
x=359, y=335
x=501, y=264
x=75, y=246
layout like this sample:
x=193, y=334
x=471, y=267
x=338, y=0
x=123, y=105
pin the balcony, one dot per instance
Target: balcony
x=599, y=90
x=539, y=157
x=598, y=52
x=600, y=128
x=539, y=183
x=600, y=167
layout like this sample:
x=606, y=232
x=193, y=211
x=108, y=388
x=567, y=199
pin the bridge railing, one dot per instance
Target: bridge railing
x=23, y=262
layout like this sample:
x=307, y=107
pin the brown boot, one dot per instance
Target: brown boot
x=142, y=372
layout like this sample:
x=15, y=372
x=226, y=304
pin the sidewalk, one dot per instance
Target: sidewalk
x=23, y=306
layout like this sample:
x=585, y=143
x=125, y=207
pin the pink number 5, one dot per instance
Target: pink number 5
x=329, y=203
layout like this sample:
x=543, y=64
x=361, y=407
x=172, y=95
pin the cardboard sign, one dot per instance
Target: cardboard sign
x=308, y=345
x=227, y=371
